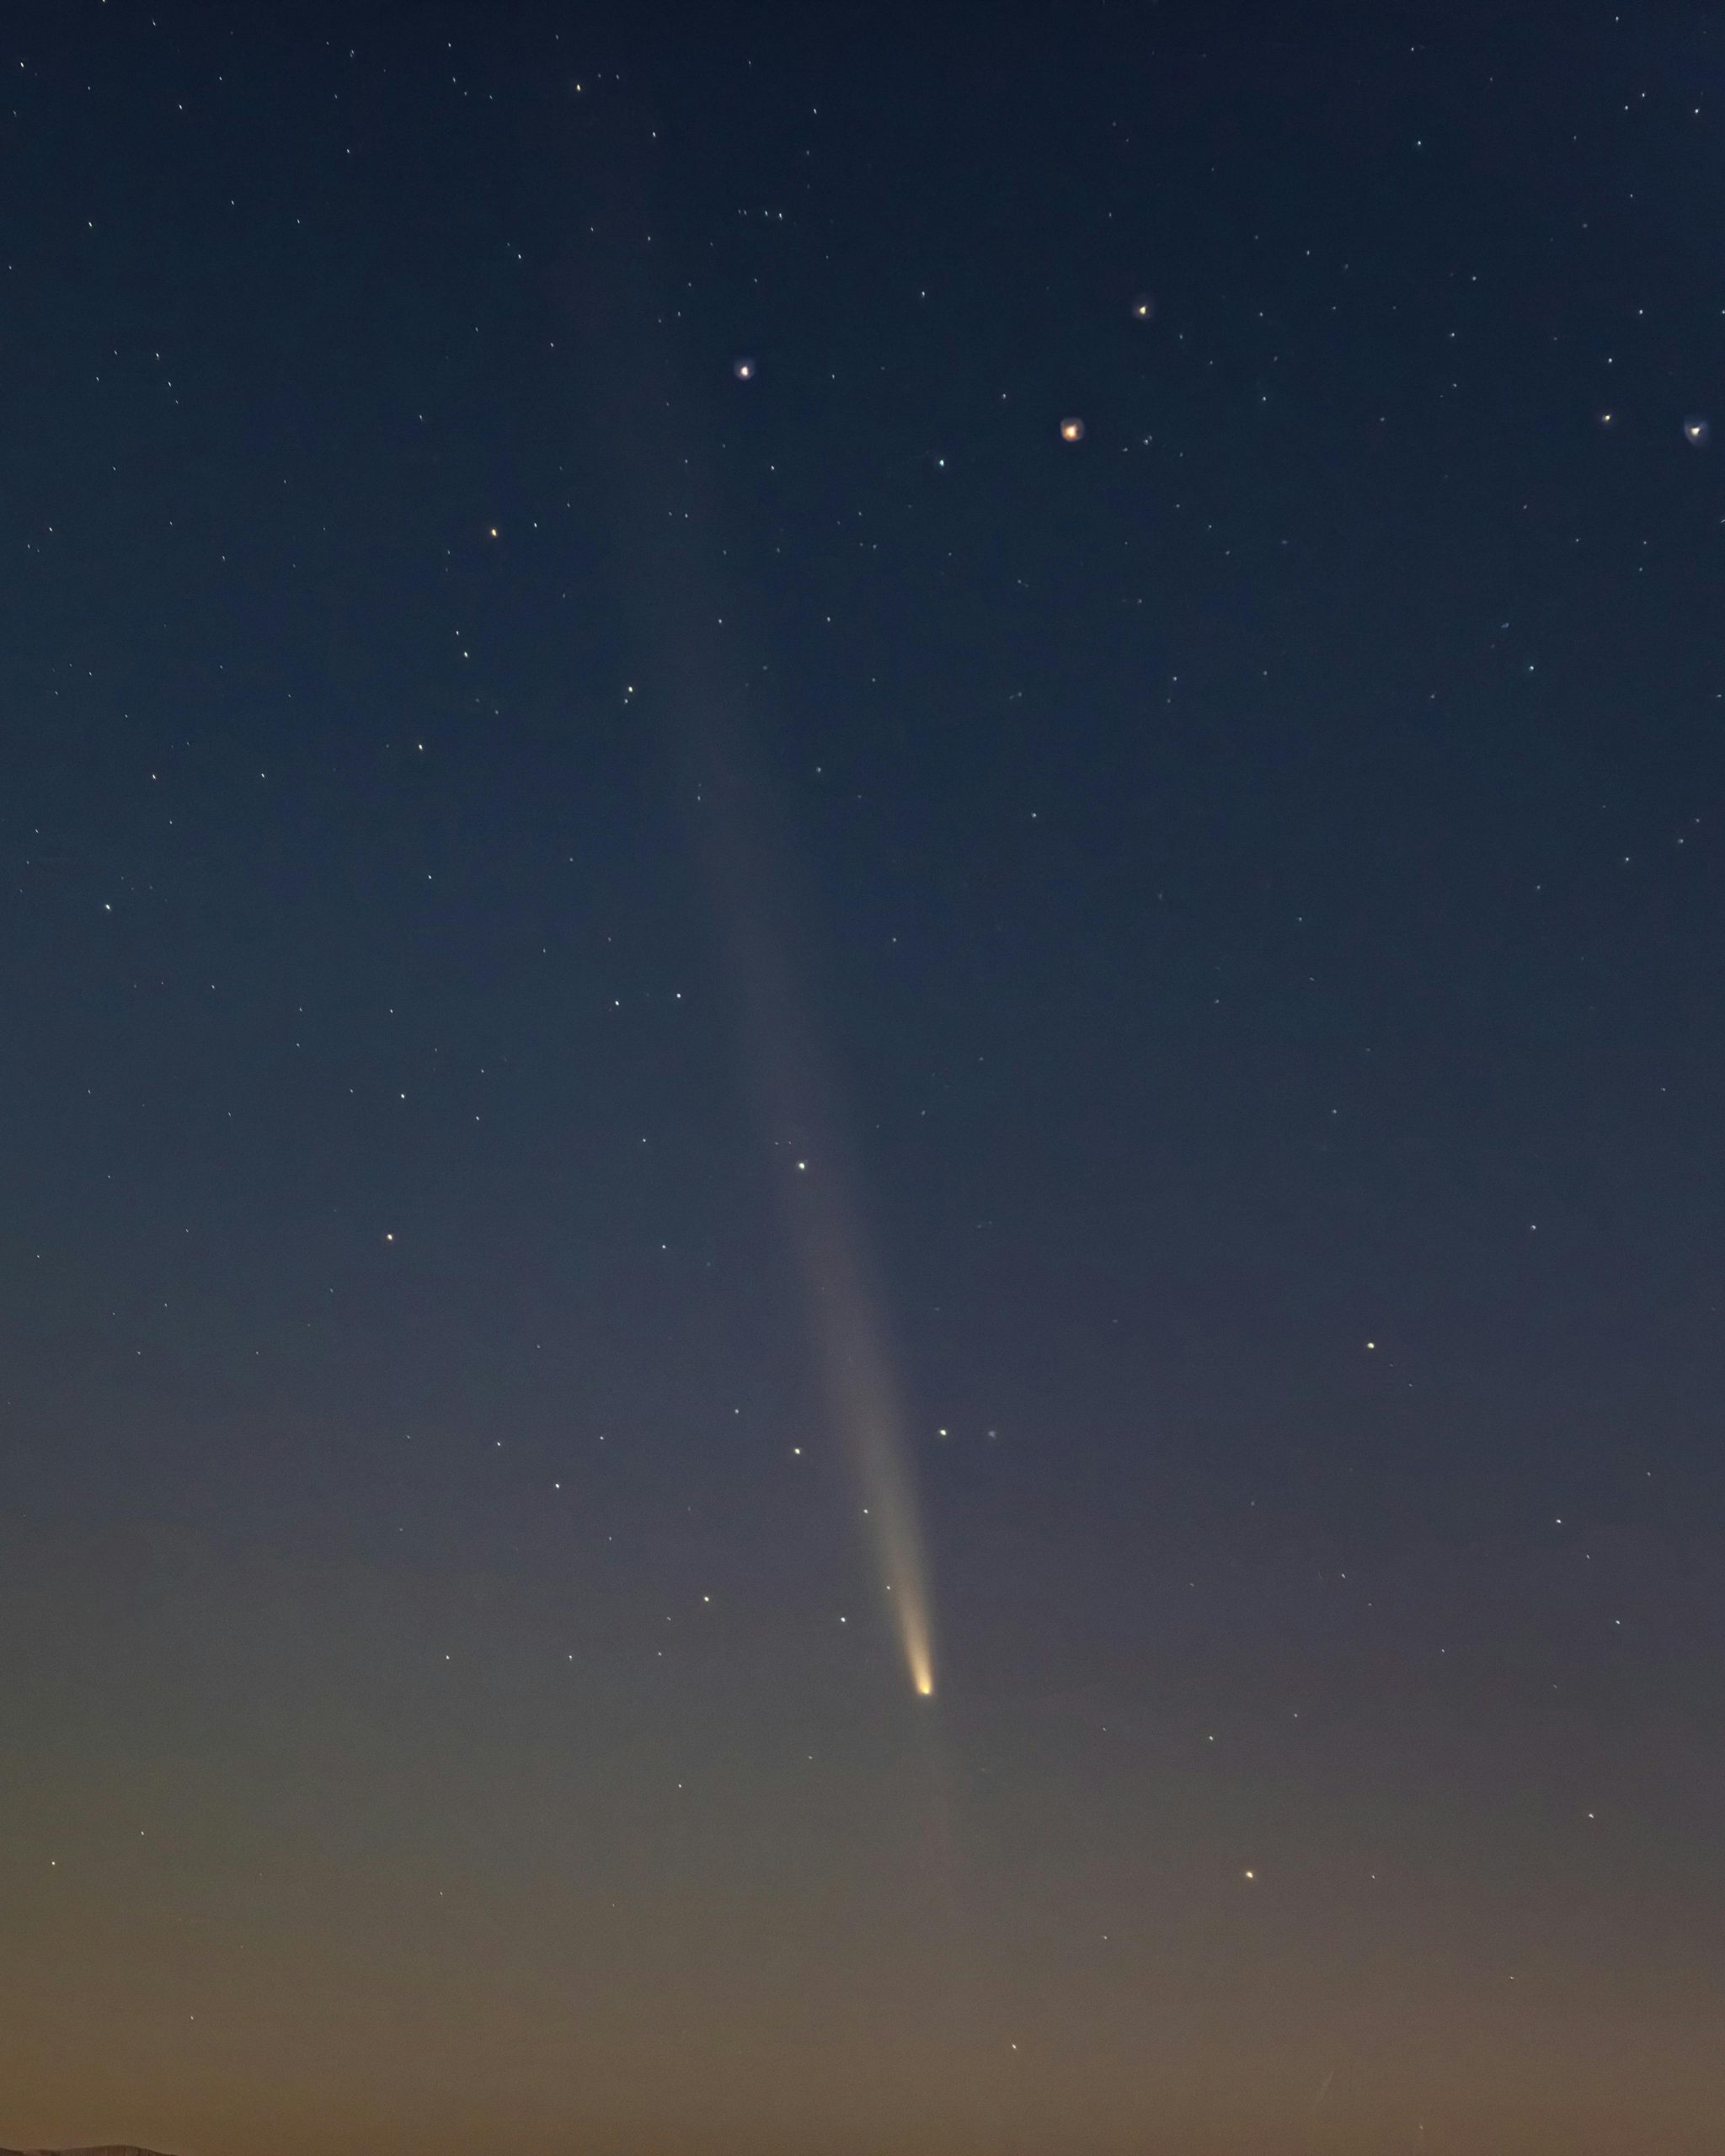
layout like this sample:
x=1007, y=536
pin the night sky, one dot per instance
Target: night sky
x=861, y=1131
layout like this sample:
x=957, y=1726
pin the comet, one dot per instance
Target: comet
x=845, y=1309
x=689, y=613
x=862, y=1401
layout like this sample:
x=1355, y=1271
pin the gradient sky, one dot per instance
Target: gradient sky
x=1229, y=911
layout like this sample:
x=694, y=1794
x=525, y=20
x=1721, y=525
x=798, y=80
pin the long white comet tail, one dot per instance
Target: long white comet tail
x=863, y=1402
x=846, y=1317
x=682, y=604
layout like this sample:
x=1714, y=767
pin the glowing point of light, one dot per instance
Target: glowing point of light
x=1696, y=433
x=1071, y=430
x=744, y=369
